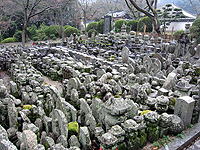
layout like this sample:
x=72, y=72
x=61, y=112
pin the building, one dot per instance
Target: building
x=119, y=15
x=180, y=25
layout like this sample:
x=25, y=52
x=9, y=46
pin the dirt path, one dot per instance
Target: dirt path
x=6, y=79
x=55, y=83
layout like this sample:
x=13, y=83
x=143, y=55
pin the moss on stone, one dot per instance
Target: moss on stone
x=27, y=107
x=197, y=71
x=73, y=128
x=99, y=125
x=153, y=133
x=117, y=96
x=122, y=147
x=144, y=112
x=143, y=140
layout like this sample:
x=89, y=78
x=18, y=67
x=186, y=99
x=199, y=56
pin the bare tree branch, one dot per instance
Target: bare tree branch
x=141, y=10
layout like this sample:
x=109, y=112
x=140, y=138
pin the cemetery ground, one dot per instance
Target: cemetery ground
x=161, y=142
x=118, y=91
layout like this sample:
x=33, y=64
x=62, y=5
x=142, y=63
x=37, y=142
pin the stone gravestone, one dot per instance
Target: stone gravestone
x=198, y=50
x=125, y=54
x=184, y=109
x=107, y=24
x=67, y=72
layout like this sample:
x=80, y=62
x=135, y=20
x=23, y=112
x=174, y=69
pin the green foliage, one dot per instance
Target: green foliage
x=178, y=33
x=67, y=26
x=191, y=125
x=195, y=30
x=32, y=30
x=51, y=36
x=134, y=24
x=91, y=31
x=73, y=128
x=70, y=30
x=41, y=32
x=8, y=40
x=180, y=135
x=100, y=26
x=18, y=36
x=162, y=142
x=44, y=37
x=92, y=25
x=145, y=21
x=36, y=38
x=54, y=38
x=119, y=23
x=50, y=30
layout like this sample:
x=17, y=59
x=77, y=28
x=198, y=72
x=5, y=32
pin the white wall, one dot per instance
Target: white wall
x=178, y=26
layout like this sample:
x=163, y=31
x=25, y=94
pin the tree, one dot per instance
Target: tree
x=152, y=14
x=195, y=30
x=84, y=5
x=57, y=16
x=141, y=4
x=30, y=9
x=168, y=15
x=6, y=17
x=195, y=7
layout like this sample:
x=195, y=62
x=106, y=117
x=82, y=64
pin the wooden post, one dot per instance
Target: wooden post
x=172, y=34
x=144, y=29
x=23, y=39
x=165, y=34
x=130, y=27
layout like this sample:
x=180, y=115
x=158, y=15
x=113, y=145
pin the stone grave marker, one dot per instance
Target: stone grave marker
x=125, y=54
x=184, y=109
x=107, y=24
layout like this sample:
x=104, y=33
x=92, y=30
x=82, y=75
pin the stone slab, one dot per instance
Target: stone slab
x=190, y=135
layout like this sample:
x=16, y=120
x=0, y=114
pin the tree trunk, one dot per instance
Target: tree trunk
x=26, y=19
x=84, y=19
x=62, y=32
x=156, y=27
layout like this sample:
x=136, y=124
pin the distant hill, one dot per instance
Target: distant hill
x=184, y=4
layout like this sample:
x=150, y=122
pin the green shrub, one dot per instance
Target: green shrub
x=118, y=24
x=73, y=128
x=195, y=30
x=67, y=26
x=178, y=33
x=50, y=30
x=18, y=36
x=41, y=31
x=145, y=21
x=44, y=37
x=8, y=40
x=51, y=36
x=92, y=25
x=100, y=26
x=32, y=30
x=70, y=30
x=91, y=31
x=36, y=38
x=134, y=24
x=54, y=38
